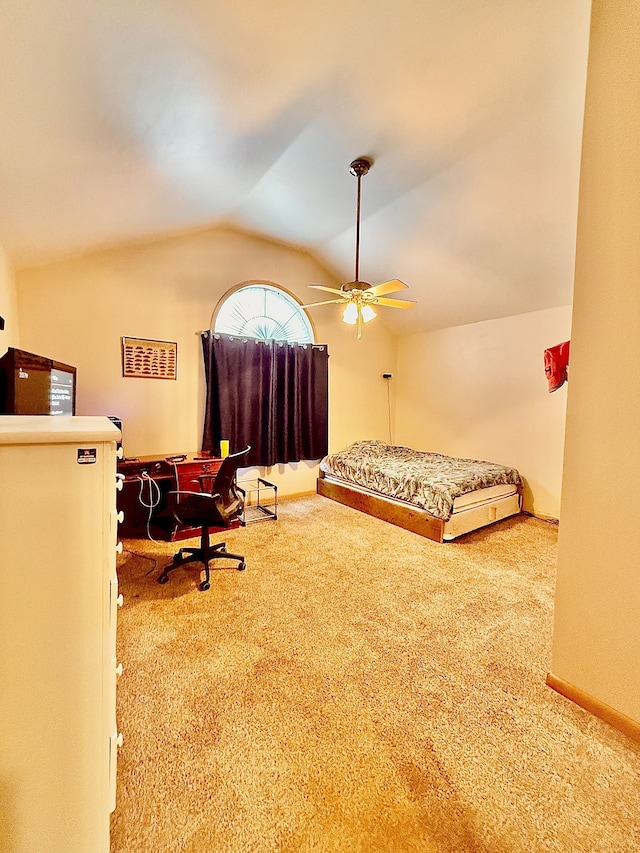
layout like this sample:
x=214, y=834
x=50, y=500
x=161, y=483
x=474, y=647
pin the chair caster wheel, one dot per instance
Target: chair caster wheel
x=163, y=579
x=205, y=585
x=242, y=566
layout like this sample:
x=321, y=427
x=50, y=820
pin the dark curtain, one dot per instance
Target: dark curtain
x=271, y=395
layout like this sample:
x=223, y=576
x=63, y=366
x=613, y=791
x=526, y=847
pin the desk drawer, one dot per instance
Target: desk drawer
x=195, y=476
x=135, y=468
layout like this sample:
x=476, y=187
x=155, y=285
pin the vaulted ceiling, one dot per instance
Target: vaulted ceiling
x=122, y=119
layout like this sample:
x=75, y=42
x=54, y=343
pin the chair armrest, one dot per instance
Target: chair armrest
x=205, y=495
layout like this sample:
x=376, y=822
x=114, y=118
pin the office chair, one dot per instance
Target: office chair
x=216, y=504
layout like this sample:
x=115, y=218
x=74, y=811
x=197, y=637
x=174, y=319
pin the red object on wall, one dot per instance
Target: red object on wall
x=556, y=361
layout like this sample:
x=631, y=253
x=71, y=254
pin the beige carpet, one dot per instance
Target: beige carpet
x=359, y=689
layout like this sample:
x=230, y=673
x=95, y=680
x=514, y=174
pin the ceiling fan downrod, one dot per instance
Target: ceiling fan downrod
x=359, y=167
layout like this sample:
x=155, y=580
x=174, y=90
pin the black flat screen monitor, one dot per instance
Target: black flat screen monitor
x=34, y=385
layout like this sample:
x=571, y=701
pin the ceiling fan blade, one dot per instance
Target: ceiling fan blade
x=328, y=289
x=395, y=303
x=388, y=287
x=328, y=302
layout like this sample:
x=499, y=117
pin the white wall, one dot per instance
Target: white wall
x=480, y=391
x=10, y=337
x=596, y=645
x=76, y=311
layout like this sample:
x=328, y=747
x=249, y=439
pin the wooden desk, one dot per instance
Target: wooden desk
x=143, y=499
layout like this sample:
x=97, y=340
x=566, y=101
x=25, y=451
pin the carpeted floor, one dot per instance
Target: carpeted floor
x=359, y=689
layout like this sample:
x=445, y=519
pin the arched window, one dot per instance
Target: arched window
x=265, y=312
x=267, y=382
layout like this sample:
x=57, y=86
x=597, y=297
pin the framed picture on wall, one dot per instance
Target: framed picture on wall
x=146, y=359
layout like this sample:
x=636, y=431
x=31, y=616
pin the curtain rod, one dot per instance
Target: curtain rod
x=206, y=332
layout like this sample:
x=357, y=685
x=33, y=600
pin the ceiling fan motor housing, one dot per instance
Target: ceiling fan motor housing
x=350, y=286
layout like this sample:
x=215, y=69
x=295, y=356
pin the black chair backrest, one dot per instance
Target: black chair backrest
x=228, y=501
x=192, y=498
x=189, y=481
x=225, y=478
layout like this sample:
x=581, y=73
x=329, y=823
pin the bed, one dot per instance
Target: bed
x=437, y=496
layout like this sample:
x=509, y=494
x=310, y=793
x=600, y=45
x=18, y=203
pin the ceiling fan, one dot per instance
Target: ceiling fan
x=359, y=296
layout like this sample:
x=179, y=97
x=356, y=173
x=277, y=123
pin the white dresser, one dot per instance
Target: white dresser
x=58, y=606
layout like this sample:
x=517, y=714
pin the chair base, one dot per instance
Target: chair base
x=204, y=554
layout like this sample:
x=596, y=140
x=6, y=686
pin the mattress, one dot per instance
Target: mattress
x=463, y=502
x=483, y=510
x=481, y=496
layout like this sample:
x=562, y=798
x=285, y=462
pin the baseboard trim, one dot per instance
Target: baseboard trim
x=295, y=495
x=550, y=519
x=599, y=709
x=269, y=499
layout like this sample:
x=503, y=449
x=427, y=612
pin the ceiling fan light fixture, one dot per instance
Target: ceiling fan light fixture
x=368, y=313
x=350, y=314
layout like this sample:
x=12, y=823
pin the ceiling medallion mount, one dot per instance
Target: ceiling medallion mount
x=360, y=166
x=357, y=296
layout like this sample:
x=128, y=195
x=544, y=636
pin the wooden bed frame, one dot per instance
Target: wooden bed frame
x=401, y=514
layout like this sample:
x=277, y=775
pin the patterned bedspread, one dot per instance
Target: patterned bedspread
x=429, y=480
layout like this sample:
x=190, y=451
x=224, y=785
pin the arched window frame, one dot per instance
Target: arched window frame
x=261, y=326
